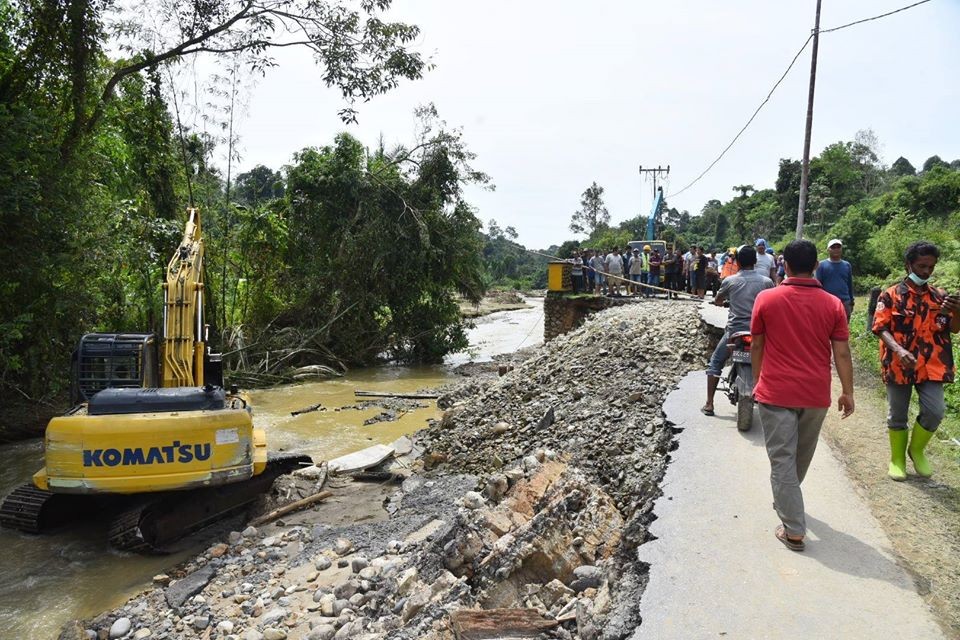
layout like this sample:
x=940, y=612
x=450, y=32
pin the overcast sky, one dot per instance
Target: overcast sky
x=555, y=95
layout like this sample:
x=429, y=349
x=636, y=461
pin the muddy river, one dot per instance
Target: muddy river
x=46, y=581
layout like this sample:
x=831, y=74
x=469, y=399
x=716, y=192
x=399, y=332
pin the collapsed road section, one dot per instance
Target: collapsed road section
x=519, y=516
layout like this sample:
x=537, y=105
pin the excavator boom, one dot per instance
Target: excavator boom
x=183, y=327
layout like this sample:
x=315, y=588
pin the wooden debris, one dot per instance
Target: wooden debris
x=289, y=508
x=405, y=396
x=498, y=623
x=384, y=477
x=314, y=407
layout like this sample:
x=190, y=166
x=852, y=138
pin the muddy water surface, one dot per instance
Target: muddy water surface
x=49, y=580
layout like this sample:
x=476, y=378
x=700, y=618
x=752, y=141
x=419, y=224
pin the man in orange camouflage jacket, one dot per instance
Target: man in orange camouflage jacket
x=914, y=322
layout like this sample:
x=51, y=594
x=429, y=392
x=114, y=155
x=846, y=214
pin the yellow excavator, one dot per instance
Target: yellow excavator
x=153, y=439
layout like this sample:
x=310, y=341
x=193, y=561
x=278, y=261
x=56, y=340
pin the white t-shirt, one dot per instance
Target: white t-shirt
x=764, y=264
x=614, y=264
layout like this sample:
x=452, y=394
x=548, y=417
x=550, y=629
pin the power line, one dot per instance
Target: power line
x=789, y=67
x=739, y=133
x=882, y=15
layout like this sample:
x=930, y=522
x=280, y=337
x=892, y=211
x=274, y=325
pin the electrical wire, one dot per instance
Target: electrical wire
x=739, y=133
x=882, y=15
x=790, y=66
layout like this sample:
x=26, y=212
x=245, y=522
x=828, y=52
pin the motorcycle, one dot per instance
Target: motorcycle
x=740, y=379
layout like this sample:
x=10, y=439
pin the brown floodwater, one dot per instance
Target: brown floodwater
x=48, y=580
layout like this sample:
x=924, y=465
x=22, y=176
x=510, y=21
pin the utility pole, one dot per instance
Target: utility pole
x=805, y=170
x=656, y=172
x=654, y=220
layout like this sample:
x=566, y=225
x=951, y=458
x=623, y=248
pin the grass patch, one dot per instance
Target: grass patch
x=866, y=355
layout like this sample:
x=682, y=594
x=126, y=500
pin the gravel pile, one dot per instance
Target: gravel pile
x=595, y=393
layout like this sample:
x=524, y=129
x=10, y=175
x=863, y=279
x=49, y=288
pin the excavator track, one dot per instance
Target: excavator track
x=34, y=510
x=23, y=509
x=152, y=524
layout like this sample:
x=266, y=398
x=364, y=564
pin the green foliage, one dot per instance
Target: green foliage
x=259, y=185
x=359, y=224
x=902, y=167
x=509, y=264
x=94, y=181
x=592, y=214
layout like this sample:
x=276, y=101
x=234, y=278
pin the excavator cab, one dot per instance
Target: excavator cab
x=113, y=361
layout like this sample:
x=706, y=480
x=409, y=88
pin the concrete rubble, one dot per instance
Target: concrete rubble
x=527, y=504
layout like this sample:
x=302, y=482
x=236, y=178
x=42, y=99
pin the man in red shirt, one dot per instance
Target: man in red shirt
x=796, y=328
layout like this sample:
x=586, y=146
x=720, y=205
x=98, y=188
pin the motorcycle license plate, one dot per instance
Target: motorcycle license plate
x=742, y=357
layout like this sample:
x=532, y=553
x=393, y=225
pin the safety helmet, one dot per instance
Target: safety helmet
x=646, y=247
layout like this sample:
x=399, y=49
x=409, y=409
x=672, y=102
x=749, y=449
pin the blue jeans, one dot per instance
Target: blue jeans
x=719, y=357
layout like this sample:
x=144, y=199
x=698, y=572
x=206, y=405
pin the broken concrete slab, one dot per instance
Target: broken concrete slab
x=361, y=460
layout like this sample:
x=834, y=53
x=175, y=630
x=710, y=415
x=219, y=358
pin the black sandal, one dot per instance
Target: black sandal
x=706, y=412
x=792, y=544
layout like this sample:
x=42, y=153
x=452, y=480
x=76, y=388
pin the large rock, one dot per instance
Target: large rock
x=120, y=628
x=178, y=593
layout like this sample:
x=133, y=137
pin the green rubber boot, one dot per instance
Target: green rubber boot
x=918, y=443
x=898, y=454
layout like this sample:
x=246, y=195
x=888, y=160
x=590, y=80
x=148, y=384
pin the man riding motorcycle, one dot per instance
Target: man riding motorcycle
x=741, y=290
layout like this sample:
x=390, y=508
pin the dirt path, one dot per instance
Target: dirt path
x=921, y=517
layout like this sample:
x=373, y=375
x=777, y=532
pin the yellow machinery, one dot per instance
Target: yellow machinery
x=559, y=275
x=152, y=420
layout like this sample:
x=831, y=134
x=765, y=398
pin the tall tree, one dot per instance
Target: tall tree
x=361, y=54
x=902, y=167
x=592, y=214
x=933, y=161
x=258, y=185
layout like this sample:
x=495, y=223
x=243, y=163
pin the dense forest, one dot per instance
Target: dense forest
x=875, y=209
x=97, y=169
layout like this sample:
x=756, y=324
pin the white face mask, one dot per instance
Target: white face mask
x=917, y=279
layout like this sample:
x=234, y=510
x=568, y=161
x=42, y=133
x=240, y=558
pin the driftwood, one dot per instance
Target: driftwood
x=384, y=477
x=289, y=508
x=405, y=396
x=314, y=407
x=498, y=623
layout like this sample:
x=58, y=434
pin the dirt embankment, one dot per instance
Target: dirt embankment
x=492, y=302
x=522, y=514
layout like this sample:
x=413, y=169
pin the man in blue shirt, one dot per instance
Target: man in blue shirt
x=836, y=275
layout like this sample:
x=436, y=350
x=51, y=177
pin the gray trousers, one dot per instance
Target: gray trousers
x=791, y=438
x=932, y=407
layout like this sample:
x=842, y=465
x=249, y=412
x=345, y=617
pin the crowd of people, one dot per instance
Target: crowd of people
x=631, y=271
x=797, y=310
x=646, y=272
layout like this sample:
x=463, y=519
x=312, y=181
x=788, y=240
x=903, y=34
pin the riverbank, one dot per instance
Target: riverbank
x=526, y=507
x=494, y=301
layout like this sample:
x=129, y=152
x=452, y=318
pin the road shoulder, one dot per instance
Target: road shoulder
x=921, y=516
